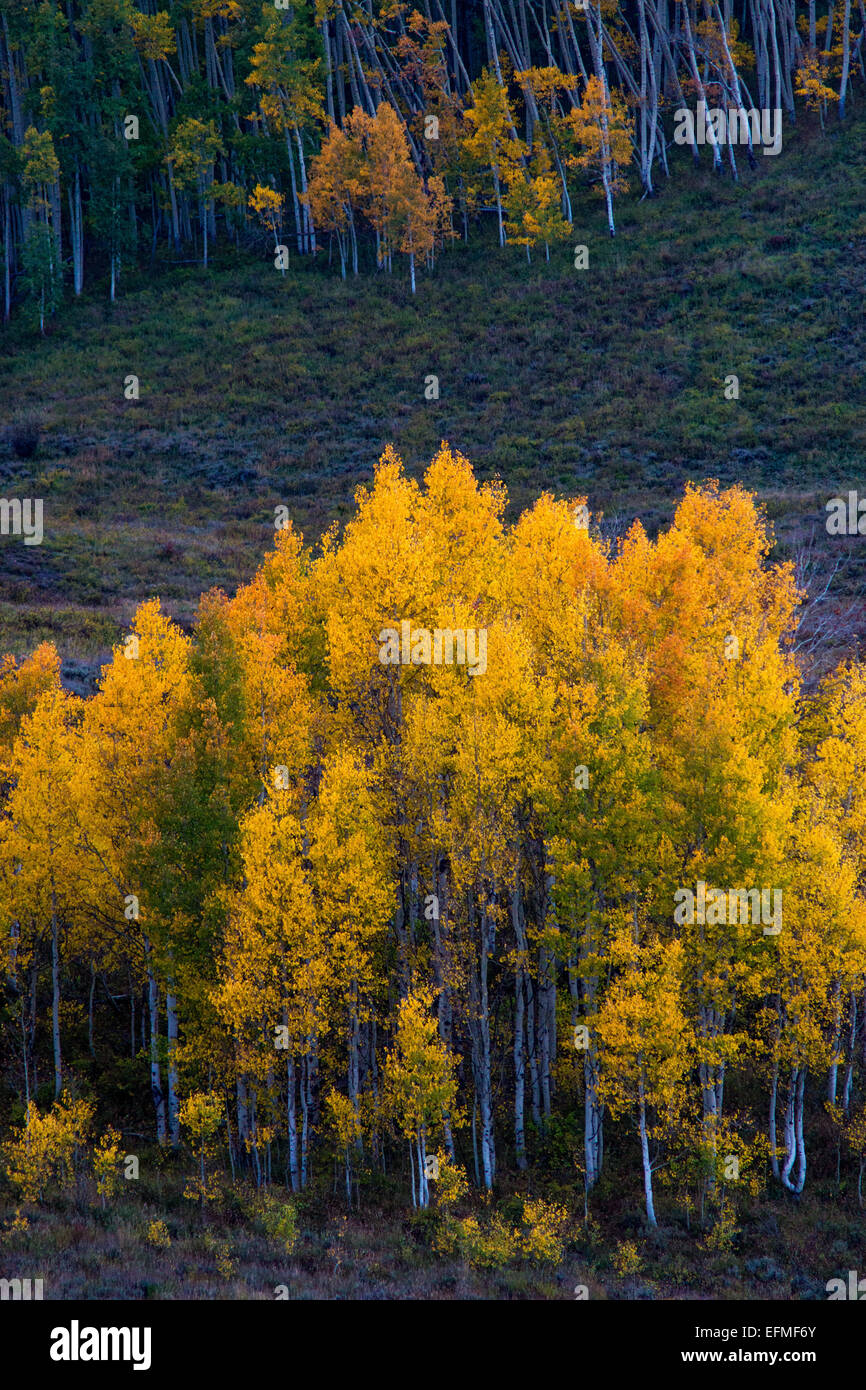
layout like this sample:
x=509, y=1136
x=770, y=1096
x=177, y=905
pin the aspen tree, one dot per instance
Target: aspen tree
x=833, y=735
x=601, y=127
x=823, y=937
x=351, y=862
x=644, y=1047
x=419, y=1084
x=729, y=801
x=547, y=87
x=491, y=139
x=289, y=96
x=42, y=873
x=267, y=204
x=130, y=735
x=194, y=147
x=334, y=191
x=532, y=205
x=21, y=685
x=595, y=827
x=41, y=261
x=274, y=970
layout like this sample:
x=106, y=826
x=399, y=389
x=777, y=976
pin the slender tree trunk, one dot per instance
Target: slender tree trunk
x=800, y=1180
x=25, y=1051
x=309, y=229
x=846, y=59
x=645, y=1156
x=833, y=1073
x=849, y=1066
x=55, y=993
x=480, y=1028
x=305, y=1117
x=173, y=1100
x=774, y=1157
x=7, y=253
x=329, y=75
x=90, y=1046
x=519, y=1060
x=32, y=1029
x=292, y=1120
x=593, y=1118
x=155, y=1077
x=790, y=1132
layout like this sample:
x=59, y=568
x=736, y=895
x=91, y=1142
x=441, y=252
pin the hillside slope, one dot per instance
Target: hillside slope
x=259, y=389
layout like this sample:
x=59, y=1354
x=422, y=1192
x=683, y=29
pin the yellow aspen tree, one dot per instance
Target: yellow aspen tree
x=712, y=619
x=546, y=89
x=479, y=726
x=131, y=747
x=42, y=878
x=380, y=573
x=335, y=190
x=420, y=1087
x=352, y=863
x=21, y=685
x=595, y=790
x=821, y=945
x=810, y=83
x=644, y=1039
x=491, y=140
x=833, y=736
x=532, y=208
x=201, y=1115
x=273, y=975
x=601, y=128
x=267, y=204
x=266, y=621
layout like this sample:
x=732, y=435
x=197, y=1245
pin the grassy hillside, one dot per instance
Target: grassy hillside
x=258, y=389
x=152, y=1244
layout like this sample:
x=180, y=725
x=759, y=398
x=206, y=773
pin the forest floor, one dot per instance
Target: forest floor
x=786, y=1249
x=258, y=389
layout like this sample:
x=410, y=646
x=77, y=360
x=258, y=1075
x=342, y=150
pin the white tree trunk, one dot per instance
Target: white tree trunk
x=645, y=1157
x=155, y=1077
x=173, y=1100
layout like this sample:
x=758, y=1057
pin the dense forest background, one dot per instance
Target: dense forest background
x=128, y=132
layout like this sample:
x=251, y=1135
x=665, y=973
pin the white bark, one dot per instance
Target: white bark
x=645, y=1156
x=155, y=1077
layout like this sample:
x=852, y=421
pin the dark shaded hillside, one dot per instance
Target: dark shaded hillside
x=786, y=1253
x=258, y=389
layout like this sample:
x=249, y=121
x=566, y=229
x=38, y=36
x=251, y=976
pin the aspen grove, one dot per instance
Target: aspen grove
x=352, y=916
x=322, y=126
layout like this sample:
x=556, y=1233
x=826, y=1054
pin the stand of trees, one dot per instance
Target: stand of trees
x=125, y=132
x=358, y=905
